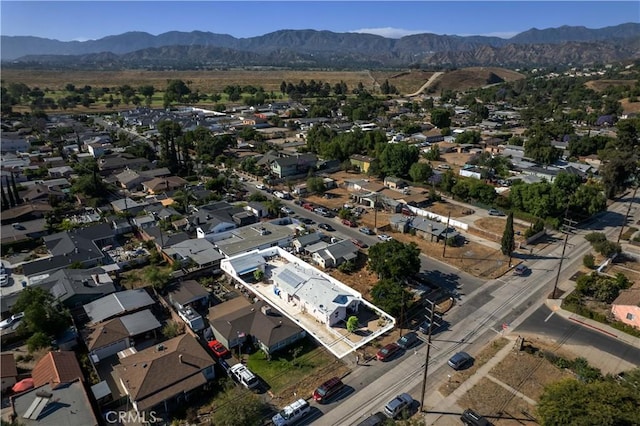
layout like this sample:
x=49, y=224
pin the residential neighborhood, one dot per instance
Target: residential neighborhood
x=139, y=243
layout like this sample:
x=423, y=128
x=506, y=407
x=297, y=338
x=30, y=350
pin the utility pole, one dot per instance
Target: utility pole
x=566, y=228
x=446, y=235
x=626, y=216
x=426, y=362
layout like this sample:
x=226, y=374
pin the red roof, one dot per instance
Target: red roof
x=57, y=367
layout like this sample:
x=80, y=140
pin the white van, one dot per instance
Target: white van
x=290, y=414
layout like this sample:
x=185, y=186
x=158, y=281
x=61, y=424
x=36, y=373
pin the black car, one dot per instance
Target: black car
x=326, y=227
x=437, y=324
x=408, y=340
x=307, y=221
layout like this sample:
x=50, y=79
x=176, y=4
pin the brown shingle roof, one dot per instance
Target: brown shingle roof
x=106, y=333
x=56, y=367
x=629, y=297
x=8, y=366
x=154, y=375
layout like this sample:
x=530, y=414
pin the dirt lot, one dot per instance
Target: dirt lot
x=495, y=226
x=525, y=372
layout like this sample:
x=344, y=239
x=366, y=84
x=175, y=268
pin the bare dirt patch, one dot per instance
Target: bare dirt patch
x=629, y=107
x=496, y=403
x=527, y=373
x=627, y=266
x=444, y=208
x=494, y=226
x=480, y=359
x=473, y=77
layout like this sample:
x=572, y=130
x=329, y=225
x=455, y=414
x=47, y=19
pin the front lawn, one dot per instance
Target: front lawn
x=291, y=365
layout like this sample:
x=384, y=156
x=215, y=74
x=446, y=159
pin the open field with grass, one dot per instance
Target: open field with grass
x=204, y=81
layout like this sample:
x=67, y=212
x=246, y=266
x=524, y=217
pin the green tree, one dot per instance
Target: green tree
x=235, y=407
x=396, y=159
x=352, y=323
x=38, y=340
x=316, y=185
x=508, y=244
x=258, y=275
x=394, y=260
x=389, y=295
x=420, y=172
x=433, y=154
x=157, y=277
x=603, y=402
x=171, y=329
x=176, y=91
x=41, y=313
x=441, y=118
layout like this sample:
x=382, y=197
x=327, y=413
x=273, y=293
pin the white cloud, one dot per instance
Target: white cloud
x=389, y=32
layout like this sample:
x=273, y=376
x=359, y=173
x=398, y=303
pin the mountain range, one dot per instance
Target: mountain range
x=313, y=48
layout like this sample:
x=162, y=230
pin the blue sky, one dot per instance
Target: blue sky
x=83, y=20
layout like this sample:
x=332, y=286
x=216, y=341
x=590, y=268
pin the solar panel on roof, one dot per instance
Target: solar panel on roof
x=36, y=407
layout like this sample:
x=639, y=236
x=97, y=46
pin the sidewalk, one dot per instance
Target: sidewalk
x=555, y=306
x=447, y=405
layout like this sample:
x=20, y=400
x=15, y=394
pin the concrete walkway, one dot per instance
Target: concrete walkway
x=447, y=405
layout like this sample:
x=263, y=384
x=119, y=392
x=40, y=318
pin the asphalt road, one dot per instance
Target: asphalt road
x=566, y=332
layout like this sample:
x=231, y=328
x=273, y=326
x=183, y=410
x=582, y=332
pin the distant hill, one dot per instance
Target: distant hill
x=311, y=48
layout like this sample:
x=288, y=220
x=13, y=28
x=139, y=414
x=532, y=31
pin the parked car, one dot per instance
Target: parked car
x=11, y=321
x=366, y=231
x=218, y=349
x=328, y=389
x=385, y=237
x=437, y=323
x=326, y=227
x=308, y=206
x=460, y=361
x=444, y=167
x=494, y=212
x=387, y=351
x=376, y=419
x=408, y=340
x=397, y=405
x=359, y=243
x=286, y=210
x=18, y=226
x=260, y=186
x=4, y=280
x=520, y=269
x=471, y=418
x=307, y=221
x=244, y=376
x=349, y=223
x=293, y=412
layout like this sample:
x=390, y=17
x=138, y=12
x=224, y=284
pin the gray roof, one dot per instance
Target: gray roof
x=187, y=292
x=201, y=251
x=343, y=249
x=248, y=238
x=66, y=404
x=307, y=239
x=117, y=304
x=140, y=322
x=247, y=264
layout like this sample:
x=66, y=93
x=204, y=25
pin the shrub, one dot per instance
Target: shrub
x=595, y=237
x=589, y=261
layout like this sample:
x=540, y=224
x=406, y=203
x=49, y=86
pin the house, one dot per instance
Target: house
x=164, y=376
x=237, y=320
x=362, y=162
x=219, y=217
x=130, y=179
x=297, y=164
x=60, y=172
x=305, y=240
x=113, y=163
x=29, y=230
x=626, y=307
x=82, y=246
x=71, y=287
x=197, y=254
x=162, y=239
x=54, y=405
x=423, y=227
x=258, y=209
x=56, y=368
x=116, y=304
x=319, y=297
x=23, y=212
x=40, y=192
x=248, y=238
x=469, y=170
x=112, y=336
x=336, y=254
x=8, y=371
x=395, y=182
x=188, y=293
x=163, y=184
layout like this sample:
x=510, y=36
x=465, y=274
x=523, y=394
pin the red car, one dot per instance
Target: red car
x=387, y=351
x=218, y=349
x=359, y=243
x=349, y=223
